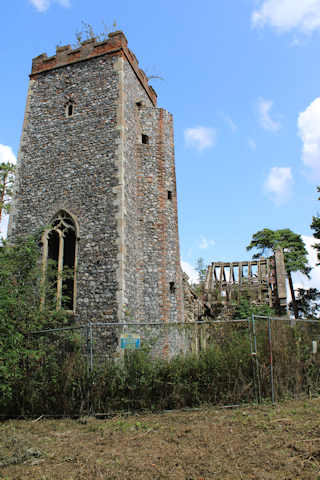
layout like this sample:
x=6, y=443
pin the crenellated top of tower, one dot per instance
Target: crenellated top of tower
x=115, y=45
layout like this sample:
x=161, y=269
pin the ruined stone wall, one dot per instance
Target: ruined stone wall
x=262, y=281
x=194, y=308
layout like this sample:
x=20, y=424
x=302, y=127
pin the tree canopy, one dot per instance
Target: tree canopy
x=307, y=303
x=20, y=306
x=315, y=226
x=294, y=249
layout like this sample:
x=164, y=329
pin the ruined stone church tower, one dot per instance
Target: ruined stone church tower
x=96, y=169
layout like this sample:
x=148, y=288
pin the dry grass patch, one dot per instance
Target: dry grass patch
x=281, y=442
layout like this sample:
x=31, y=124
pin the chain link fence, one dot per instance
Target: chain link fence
x=104, y=367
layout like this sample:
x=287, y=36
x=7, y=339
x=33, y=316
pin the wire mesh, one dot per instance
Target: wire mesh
x=107, y=366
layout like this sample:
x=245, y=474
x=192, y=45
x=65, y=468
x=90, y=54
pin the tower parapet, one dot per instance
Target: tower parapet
x=115, y=45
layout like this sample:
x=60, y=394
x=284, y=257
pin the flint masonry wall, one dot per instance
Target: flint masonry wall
x=70, y=164
x=95, y=166
x=159, y=248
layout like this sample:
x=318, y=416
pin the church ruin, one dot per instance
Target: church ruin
x=262, y=281
x=96, y=171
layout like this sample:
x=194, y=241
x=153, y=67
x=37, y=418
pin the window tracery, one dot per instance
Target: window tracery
x=60, y=254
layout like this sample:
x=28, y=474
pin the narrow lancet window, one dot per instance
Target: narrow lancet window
x=60, y=262
x=69, y=109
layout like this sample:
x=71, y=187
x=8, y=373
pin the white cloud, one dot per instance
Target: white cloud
x=190, y=271
x=278, y=184
x=252, y=144
x=265, y=120
x=205, y=243
x=7, y=155
x=300, y=280
x=43, y=5
x=285, y=15
x=200, y=137
x=309, y=131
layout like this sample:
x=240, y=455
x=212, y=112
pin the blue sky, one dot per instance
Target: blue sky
x=242, y=79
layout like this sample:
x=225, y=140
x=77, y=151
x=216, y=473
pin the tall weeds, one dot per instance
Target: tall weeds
x=57, y=380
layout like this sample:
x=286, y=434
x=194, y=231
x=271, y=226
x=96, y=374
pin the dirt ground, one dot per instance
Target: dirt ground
x=265, y=442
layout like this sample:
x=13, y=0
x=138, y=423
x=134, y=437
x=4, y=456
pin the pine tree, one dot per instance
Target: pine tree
x=315, y=226
x=294, y=250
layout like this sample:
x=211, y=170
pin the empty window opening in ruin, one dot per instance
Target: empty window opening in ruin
x=254, y=270
x=145, y=139
x=172, y=287
x=245, y=271
x=217, y=273
x=60, y=262
x=227, y=274
x=139, y=104
x=69, y=109
x=236, y=274
x=169, y=195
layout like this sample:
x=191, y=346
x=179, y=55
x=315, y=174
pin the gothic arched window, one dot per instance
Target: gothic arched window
x=60, y=258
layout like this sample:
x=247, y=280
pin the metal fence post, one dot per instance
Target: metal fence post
x=256, y=356
x=252, y=360
x=271, y=359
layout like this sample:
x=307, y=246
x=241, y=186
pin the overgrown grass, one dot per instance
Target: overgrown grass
x=56, y=380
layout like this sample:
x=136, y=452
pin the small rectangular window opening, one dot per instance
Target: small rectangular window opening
x=69, y=110
x=145, y=139
x=169, y=195
x=172, y=287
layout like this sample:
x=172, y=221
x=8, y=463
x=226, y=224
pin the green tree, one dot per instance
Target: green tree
x=315, y=225
x=6, y=185
x=21, y=288
x=202, y=271
x=307, y=303
x=244, y=308
x=295, y=253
